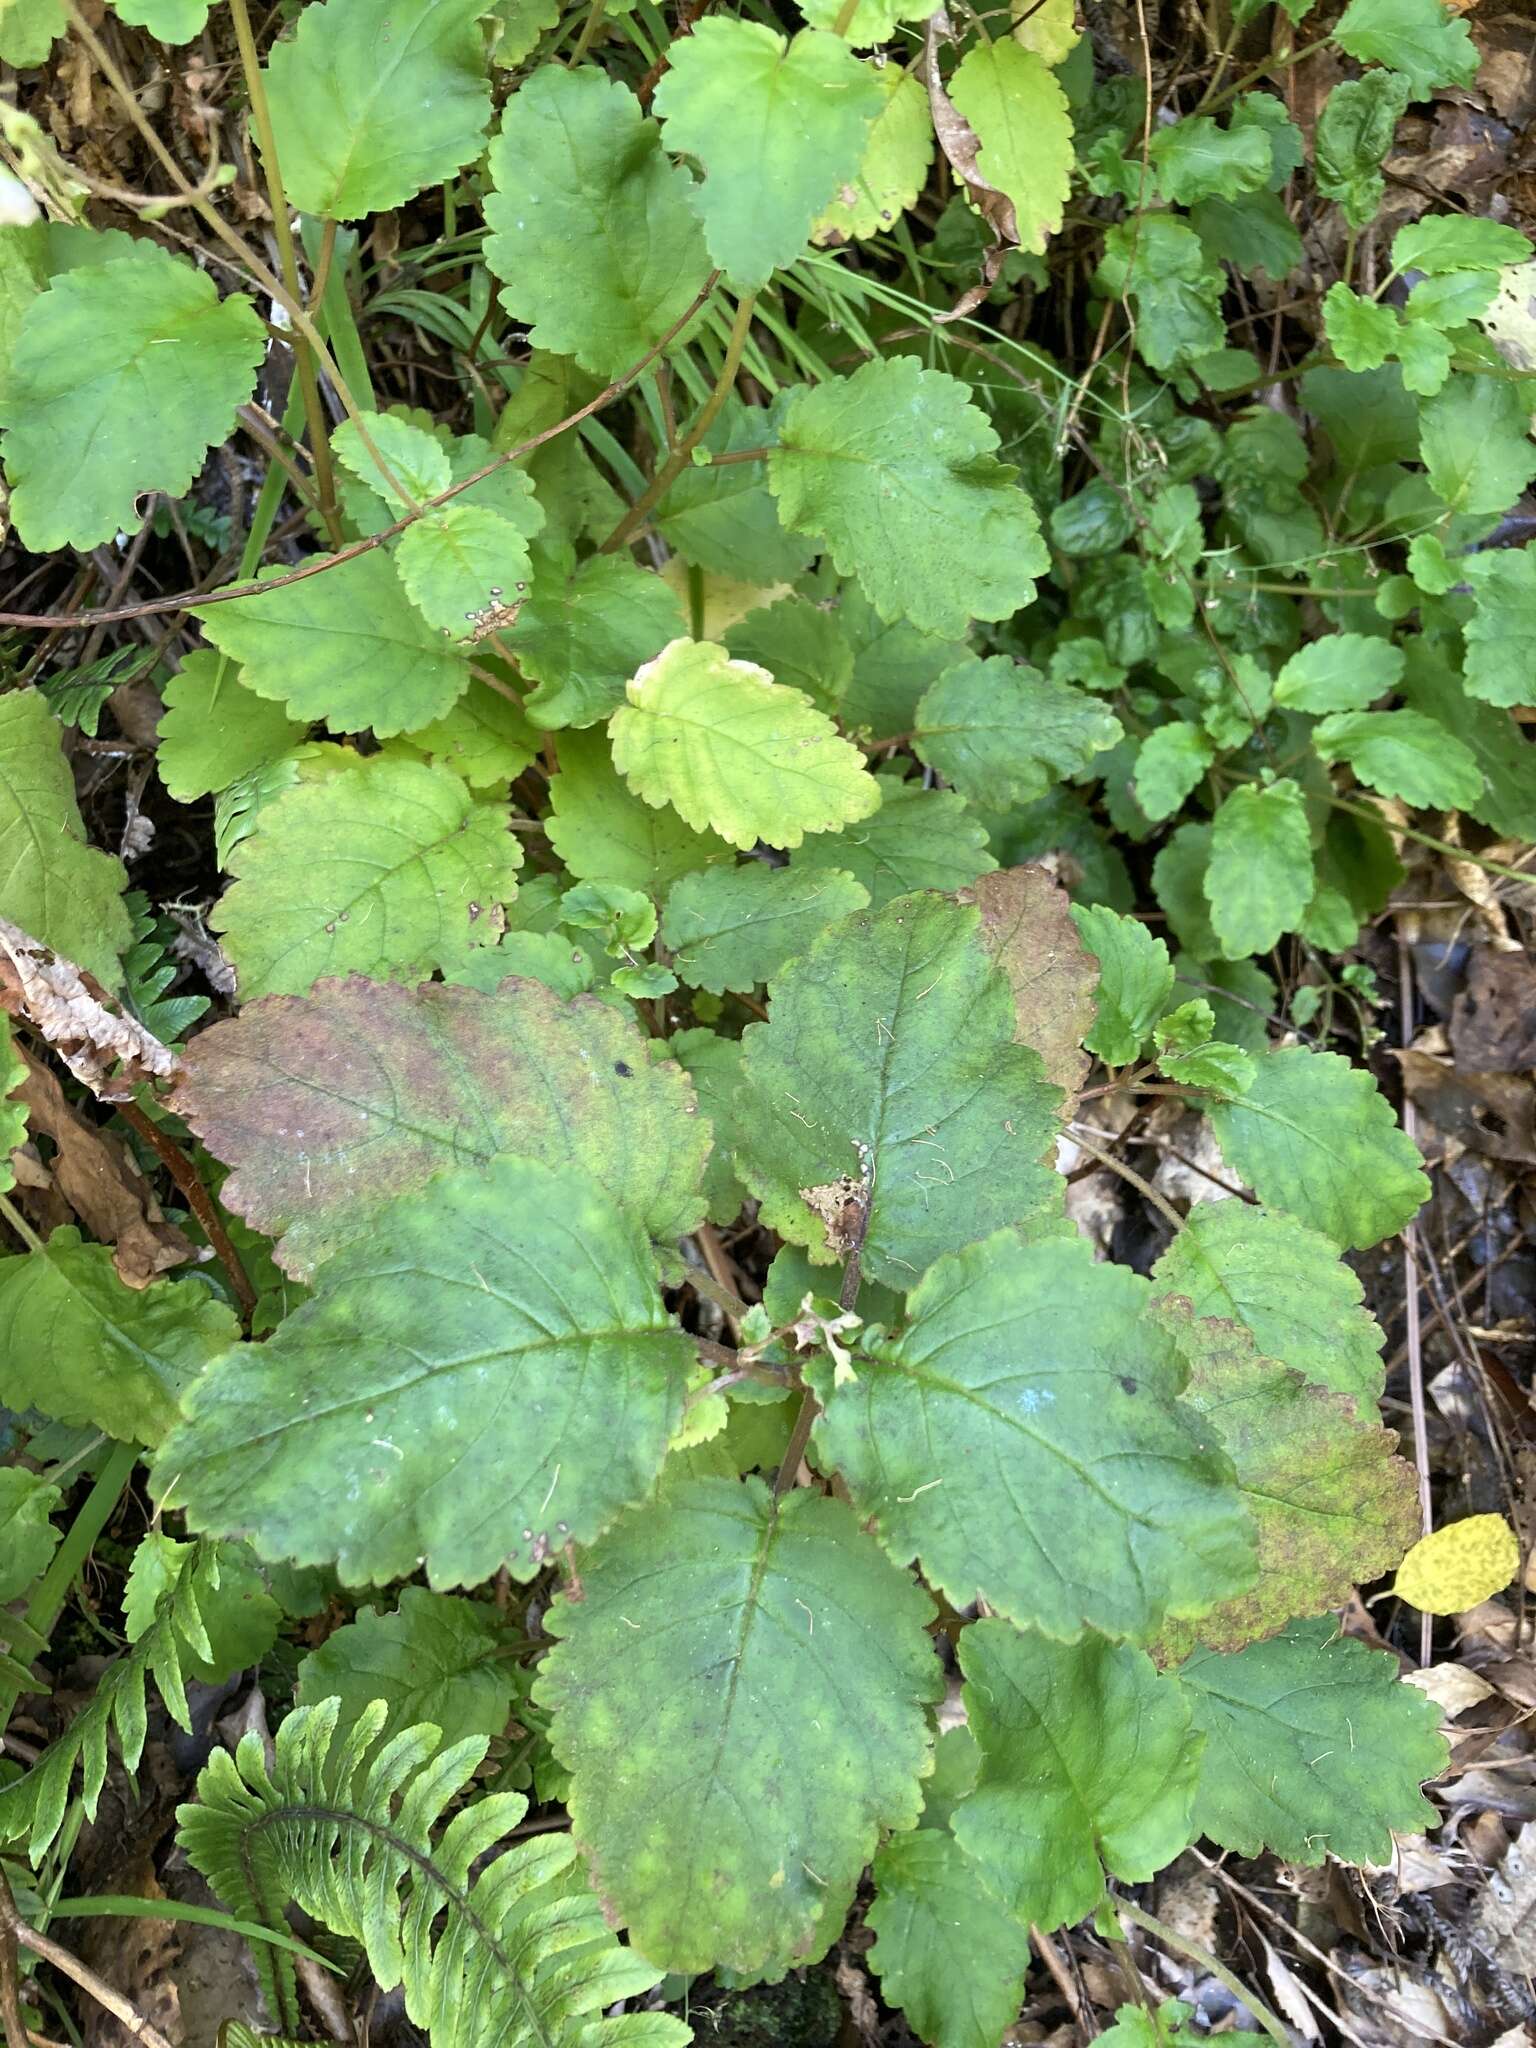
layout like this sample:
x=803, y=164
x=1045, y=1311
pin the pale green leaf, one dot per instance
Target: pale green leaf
x=84, y=1348
x=1003, y=733
x=1403, y=754
x=168, y=21
x=404, y=465
x=1340, y=672
x=895, y=471
x=1169, y=765
x=1438, y=243
x=889, y=1058
x=778, y=126
x=735, y=753
x=604, y=833
x=1135, y=981
x=1018, y=111
x=1088, y=1764
x=1023, y=1439
x=873, y=20
x=466, y=570
x=583, y=632
x=215, y=730
x=374, y=100
x=1315, y=1136
x=328, y=1105
x=1475, y=441
x=389, y=868
x=53, y=885
x=435, y=1658
x=344, y=644
x=769, y=1724
x=1259, y=880
x=28, y=1538
x=235, y=1616
x=484, y=737
x=893, y=169
x=488, y=1374
x=591, y=228
x=123, y=375
x=918, y=839
x=1501, y=633
x=1423, y=39
x=1314, y=1747
x=946, y=1953
x=731, y=928
x=713, y=1064
x=29, y=29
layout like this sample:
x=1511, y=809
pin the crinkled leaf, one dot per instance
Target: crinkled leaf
x=1018, y=112
x=1314, y=1747
x=328, y=1105
x=345, y=644
x=1002, y=732
x=889, y=1058
x=731, y=928
x=435, y=1658
x=955, y=1994
x=1315, y=1136
x=1028, y=928
x=1160, y=261
x=374, y=100
x=1423, y=39
x=1354, y=133
x=769, y=1724
x=1402, y=754
x=1088, y=1764
x=1340, y=672
x=1135, y=981
x=777, y=126
x=591, y=226
x=215, y=729
x=388, y=868
x=1195, y=158
x=1259, y=880
x=605, y=833
x=84, y=1348
x=734, y=752
x=894, y=470
x=122, y=376
x=581, y=636
x=488, y=1374
x=918, y=839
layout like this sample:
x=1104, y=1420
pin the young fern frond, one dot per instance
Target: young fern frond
x=492, y=1954
x=34, y=1806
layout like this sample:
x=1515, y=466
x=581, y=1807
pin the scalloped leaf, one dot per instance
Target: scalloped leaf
x=1403, y=754
x=1019, y=115
x=581, y=639
x=770, y=1721
x=488, y=1375
x=329, y=1104
x=1259, y=879
x=1135, y=980
x=955, y=1994
x=1003, y=733
x=436, y=1657
x=918, y=839
x=731, y=928
x=605, y=833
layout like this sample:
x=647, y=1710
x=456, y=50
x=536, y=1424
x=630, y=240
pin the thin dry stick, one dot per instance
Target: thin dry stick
x=199, y=1201
x=1411, y=1305
x=10, y=1989
x=1144, y=1188
x=1061, y=1977
x=125, y=2013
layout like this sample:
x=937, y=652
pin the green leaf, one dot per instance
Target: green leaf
x=955, y=1995
x=1254, y=233
x=1402, y=754
x=1333, y=1504
x=1314, y=1747
x=1501, y=633
x=1073, y=1490
x=123, y=375
x=1015, y=104
x=1362, y=333
x=1285, y=1284
x=1002, y=732
x=1422, y=39
x=1475, y=444
x=58, y=889
x=1314, y=1135
x=1508, y=798
x=769, y=1725
x=345, y=644
x=722, y=517
x=1259, y=880
x=731, y=928
x=1088, y=1764
x=918, y=839
x=776, y=125
x=489, y=1374
x=1135, y=981
x=374, y=100
x=84, y=1348
x=437, y=1658
x=894, y=470
x=1340, y=672
x=1438, y=243
x=581, y=636
x=411, y=462
x=484, y=738
x=1160, y=261
x=1170, y=763
x=29, y=29
x=168, y=21
x=328, y=1105
x=604, y=833
x=713, y=1064
x=466, y=570
x=894, y=167
x=1197, y=159
x=799, y=644
x=735, y=753
x=591, y=226
x=889, y=1058
x=1166, y=2027
x=873, y=20
x=388, y=868
x=215, y=729
x=236, y=1617
x=28, y=1538
x=893, y=663
x=1354, y=133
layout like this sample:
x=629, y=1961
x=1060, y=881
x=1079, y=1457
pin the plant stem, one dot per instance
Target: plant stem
x=700, y=425
x=199, y=1201
x=1207, y=1961
x=126, y=2014
x=845, y=15
x=20, y=1225
x=810, y=1407
x=589, y=29
x=1144, y=1188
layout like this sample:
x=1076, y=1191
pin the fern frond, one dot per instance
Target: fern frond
x=35, y=1804
x=492, y=1954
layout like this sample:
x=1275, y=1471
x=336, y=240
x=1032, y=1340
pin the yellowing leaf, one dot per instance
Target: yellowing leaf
x=1019, y=112
x=1454, y=1568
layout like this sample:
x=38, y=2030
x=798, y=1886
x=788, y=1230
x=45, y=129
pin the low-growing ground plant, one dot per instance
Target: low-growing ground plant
x=866, y=656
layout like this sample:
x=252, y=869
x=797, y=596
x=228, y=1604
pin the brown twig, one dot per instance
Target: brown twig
x=199, y=1201
x=15, y=1929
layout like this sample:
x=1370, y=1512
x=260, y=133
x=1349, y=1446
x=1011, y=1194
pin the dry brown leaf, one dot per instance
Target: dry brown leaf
x=1452, y=1687
x=1505, y=1920
x=961, y=145
x=66, y=1008
x=1493, y=1020
x=1027, y=927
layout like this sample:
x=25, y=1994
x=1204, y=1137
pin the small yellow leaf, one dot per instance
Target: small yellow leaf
x=1454, y=1568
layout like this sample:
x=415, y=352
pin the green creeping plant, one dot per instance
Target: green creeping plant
x=672, y=821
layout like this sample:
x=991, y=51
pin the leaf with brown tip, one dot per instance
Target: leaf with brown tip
x=1026, y=926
